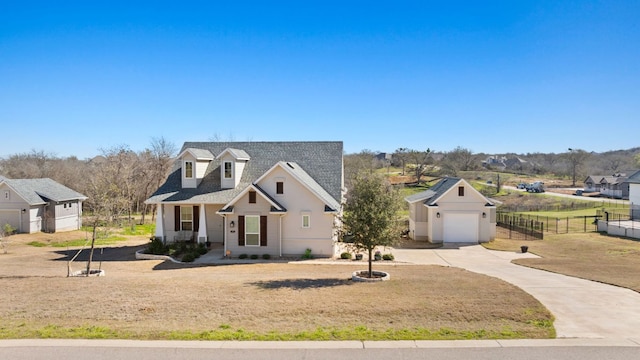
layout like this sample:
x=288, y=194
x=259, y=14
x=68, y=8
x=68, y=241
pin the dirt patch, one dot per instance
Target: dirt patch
x=150, y=297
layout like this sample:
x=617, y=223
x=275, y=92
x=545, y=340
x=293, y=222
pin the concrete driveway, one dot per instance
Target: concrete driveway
x=582, y=308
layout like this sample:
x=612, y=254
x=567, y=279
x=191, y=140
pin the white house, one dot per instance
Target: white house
x=634, y=194
x=276, y=198
x=34, y=205
x=451, y=211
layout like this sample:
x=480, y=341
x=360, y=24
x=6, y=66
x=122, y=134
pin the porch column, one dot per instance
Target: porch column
x=202, y=230
x=159, y=223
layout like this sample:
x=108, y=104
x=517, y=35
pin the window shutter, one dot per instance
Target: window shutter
x=241, y=230
x=196, y=218
x=263, y=230
x=176, y=218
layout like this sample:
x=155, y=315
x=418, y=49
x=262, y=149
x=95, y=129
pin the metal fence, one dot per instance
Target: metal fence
x=562, y=225
x=516, y=227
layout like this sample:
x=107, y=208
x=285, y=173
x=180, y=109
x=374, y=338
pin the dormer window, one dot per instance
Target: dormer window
x=252, y=197
x=188, y=169
x=461, y=191
x=228, y=170
x=279, y=187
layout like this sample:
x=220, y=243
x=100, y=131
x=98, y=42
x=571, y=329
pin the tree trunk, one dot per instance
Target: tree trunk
x=93, y=242
x=370, y=262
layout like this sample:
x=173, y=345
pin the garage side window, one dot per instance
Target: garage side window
x=460, y=190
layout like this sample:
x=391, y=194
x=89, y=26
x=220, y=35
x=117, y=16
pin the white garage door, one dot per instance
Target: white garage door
x=460, y=228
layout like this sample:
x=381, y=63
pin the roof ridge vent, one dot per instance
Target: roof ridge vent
x=289, y=165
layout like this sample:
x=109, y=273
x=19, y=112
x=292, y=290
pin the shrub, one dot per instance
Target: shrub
x=202, y=249
x=387, y=257
x=253, y=256
x=243, y=256
x=266, y=256
x=156, y=247
x=188, y=257
x=345, y=255
x=307, y=254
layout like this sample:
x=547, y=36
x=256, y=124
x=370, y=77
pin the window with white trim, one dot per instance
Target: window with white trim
x=188, y=169
x=252, y=230
x=306, y=221
x=228, y=170
x=186, y=218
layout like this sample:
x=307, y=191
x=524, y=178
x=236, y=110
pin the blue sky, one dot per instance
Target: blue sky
x=490, y=76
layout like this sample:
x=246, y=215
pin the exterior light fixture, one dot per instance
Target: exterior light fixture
x=233, y=224
x=484, y=215
x=24, y=211
x=438, y=215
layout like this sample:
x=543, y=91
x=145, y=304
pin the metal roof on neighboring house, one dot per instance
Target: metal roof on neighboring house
x=40, y=191
x=321, y=161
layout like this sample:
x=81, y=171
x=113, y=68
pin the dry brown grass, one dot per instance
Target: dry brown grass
x=147, y=299
x=592, y=256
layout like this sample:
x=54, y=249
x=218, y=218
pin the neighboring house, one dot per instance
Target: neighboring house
x=613, y=186
x=451, y=211
x=276, y=198
x=592, y=183
x=33, y=205
x=634, y=194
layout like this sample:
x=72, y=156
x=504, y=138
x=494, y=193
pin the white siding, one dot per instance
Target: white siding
x=298, y=200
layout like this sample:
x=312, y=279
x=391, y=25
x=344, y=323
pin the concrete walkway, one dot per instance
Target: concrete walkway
x=582, y=308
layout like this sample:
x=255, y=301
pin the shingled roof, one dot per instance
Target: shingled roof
x=435, y=192
x=40, y=191
x=322, y=161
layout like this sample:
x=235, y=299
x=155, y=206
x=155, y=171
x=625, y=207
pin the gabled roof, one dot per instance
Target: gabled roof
x=307, y=181
x=199, y=154
x=430, y=197
x=275, y=206
x=634, y=178
x=40, y=191
x=237, y=154
x=595, y=178
x=613, y=180
x=322, y=161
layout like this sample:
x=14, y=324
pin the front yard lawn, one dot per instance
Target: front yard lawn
x=152, y=299
x=591, y=256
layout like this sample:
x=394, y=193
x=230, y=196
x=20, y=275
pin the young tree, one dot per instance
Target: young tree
x=370, y=213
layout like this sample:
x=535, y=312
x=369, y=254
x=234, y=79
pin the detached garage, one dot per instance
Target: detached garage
x=451, y=211
x=33, y=205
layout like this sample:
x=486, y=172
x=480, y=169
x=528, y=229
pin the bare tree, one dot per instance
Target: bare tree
x=459, y=159
x=156, y=163
x=576, y=158
x=419, y=162
x=401, y=154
